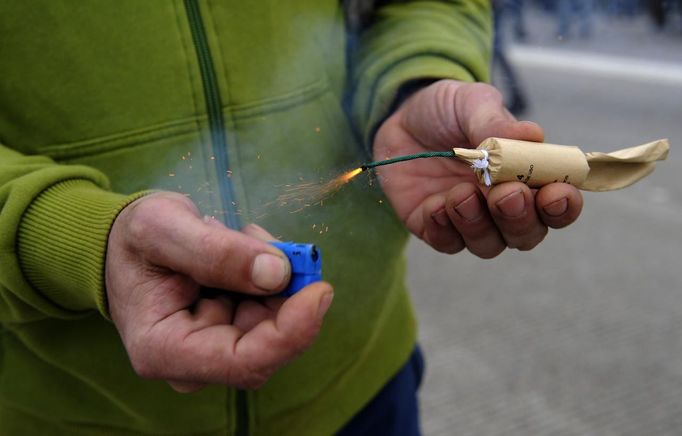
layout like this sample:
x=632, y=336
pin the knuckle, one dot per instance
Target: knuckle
x=526, y=246
x=447, y=247
x=146, y=354
x=141, y=224
x=450, y=249
x=218, y=251
x=521, y=231
x=477, y=231
x=530, y=242
x=142, y=369
x=560, y=222
x=173, y=199
x=141, y=364
x=489, y=253
x=208, y=243
x=146, y=216
x=243, y=374
x=253, y=379
x=516, y=237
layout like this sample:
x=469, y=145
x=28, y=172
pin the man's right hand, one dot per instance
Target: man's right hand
x=159, y=256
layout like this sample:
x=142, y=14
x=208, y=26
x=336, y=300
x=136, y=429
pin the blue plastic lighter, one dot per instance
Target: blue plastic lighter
x=306, y=265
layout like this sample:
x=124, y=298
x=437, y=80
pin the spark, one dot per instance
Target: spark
x=311, y=193
x=345, y=178
x=306, y=194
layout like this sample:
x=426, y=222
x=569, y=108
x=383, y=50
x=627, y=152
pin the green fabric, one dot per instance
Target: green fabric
x=69, y=273
x=102, y=101
x=418, y=40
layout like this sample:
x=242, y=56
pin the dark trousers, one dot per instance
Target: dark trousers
x=394, y=411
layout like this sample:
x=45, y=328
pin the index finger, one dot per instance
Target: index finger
x=192, y=352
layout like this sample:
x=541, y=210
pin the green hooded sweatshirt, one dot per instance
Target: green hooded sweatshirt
x=228, y=102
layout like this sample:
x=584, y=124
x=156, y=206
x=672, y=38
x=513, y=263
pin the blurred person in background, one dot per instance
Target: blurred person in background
x=510, y=85
x=571, y=14
x=627, y=8
x=660, y=11
x=515, y=10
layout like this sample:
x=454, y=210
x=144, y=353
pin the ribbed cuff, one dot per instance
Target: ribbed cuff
x=63, y=240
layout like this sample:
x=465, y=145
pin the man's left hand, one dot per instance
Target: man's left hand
x=440, y=199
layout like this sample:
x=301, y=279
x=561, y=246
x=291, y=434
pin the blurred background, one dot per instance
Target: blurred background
x=583, y=335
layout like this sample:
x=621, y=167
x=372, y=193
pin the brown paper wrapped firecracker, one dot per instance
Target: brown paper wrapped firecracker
x=498, y=160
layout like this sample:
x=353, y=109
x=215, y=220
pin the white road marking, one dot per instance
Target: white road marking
x=604, y=65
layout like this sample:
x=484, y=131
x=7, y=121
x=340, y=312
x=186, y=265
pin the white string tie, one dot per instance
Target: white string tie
x=482, y=164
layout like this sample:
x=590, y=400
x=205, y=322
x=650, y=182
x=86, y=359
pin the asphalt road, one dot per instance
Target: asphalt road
x=583, y=335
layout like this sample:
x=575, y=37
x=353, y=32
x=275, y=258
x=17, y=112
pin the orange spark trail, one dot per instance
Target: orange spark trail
x=310, y=193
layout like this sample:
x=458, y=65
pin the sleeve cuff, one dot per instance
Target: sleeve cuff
x=62, y=242
x=375, y=102
x=417, y=41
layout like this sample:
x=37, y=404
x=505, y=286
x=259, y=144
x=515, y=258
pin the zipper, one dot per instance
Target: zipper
x=214, y=111
x=219, y=147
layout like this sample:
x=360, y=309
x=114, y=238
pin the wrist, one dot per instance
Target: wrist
x=62, y=242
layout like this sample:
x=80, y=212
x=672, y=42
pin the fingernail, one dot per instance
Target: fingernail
x=469, y=209
x=556, y=208
x=513, y=205
x=325, y=302
x=269, y=271
x=441, y=218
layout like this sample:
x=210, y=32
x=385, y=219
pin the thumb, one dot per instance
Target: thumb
x=166, y=233
x=451, y=114
x=481, y=114
x=271, y=344
x=258, y=232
